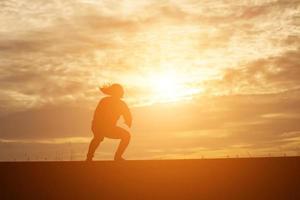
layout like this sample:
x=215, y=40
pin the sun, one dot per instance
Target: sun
x=169, y=86
x=166, y=84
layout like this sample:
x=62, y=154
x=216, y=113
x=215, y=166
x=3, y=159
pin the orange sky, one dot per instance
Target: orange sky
x=203, y=78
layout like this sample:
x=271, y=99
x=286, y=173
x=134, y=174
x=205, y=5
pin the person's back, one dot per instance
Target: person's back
x=105, y=119
x=108, y=112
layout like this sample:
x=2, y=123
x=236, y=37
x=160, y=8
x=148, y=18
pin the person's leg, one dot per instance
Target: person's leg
x=92, y=147
x=120, y=133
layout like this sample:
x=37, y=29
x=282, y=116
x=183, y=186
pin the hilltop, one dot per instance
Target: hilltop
x=240, y=178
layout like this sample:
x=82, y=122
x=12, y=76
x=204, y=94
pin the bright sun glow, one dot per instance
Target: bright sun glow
x=170, y=86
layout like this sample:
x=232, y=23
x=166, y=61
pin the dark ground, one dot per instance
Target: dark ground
x=240, y=178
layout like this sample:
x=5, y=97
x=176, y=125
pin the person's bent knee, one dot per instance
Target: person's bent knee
x=126, y=136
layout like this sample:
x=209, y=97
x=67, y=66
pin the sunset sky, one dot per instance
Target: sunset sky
x=202, y=78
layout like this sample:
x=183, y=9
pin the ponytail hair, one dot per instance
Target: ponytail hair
x=115, y=90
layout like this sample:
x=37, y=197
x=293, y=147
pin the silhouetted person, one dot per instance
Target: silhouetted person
x=106, y=115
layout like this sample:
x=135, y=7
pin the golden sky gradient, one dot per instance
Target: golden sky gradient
x=203, y=78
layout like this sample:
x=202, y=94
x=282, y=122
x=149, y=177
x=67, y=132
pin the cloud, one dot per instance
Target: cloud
x=80, y=44
x=233, y=115
x=272, y=74
x=46, y=122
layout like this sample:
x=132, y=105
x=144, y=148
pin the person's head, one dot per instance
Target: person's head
x=114, y=90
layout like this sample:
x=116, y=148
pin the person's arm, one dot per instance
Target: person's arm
x=127, y=115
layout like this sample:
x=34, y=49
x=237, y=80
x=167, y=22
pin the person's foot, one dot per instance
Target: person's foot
x=119, y=158
x=89, y=159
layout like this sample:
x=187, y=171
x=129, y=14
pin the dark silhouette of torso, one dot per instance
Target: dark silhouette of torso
x=108, y=112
